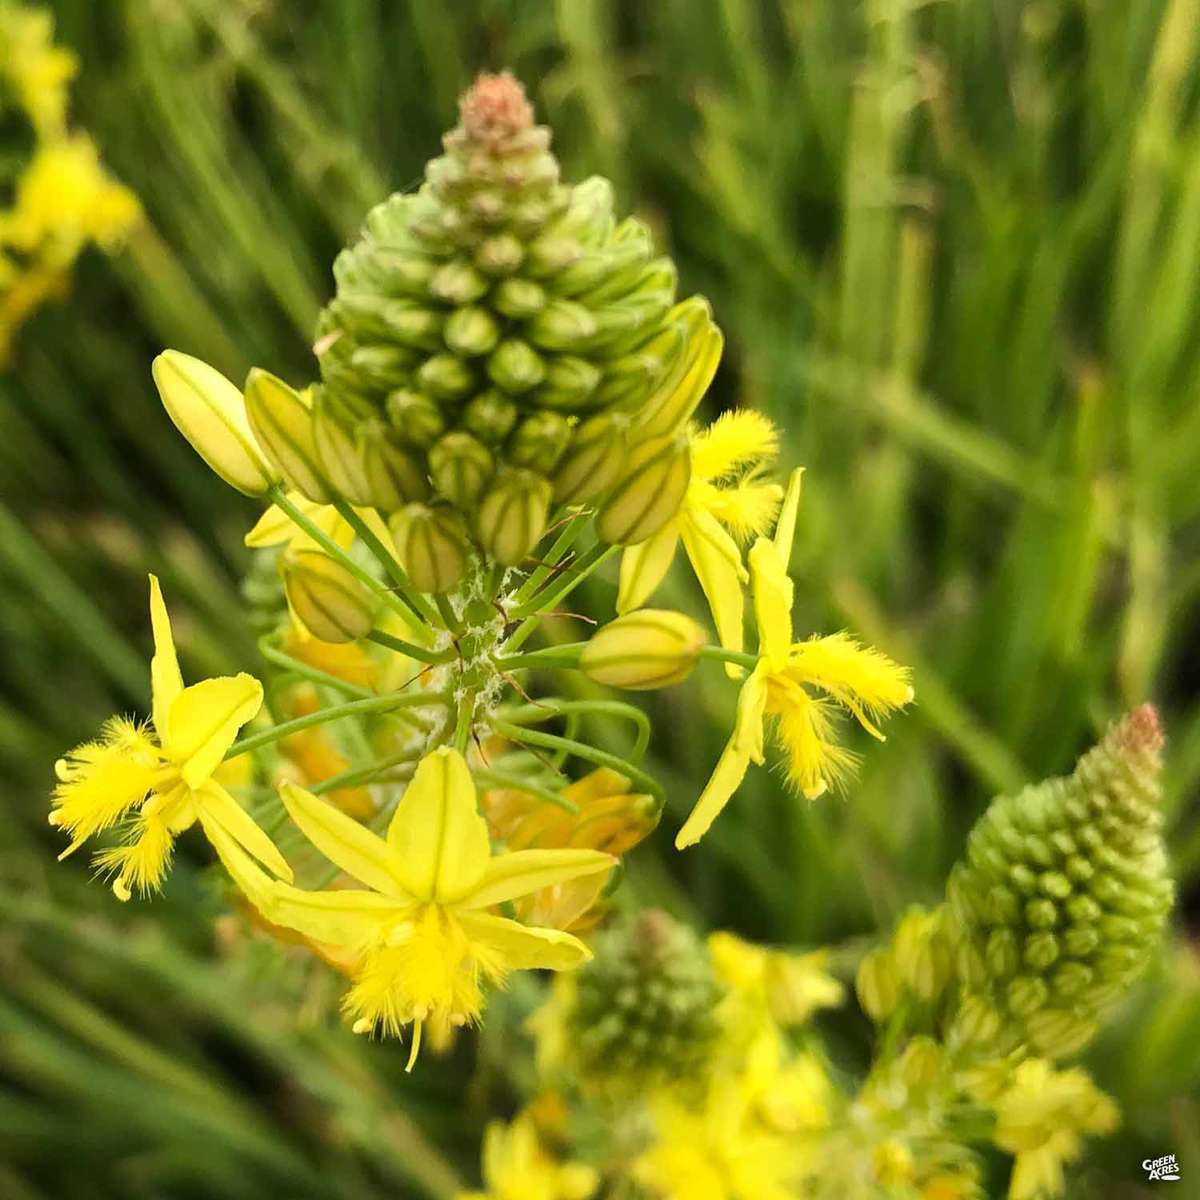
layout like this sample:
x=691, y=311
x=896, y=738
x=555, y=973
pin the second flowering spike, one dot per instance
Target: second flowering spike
x=1063, y=894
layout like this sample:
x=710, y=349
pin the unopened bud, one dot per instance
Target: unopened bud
x=283, y=426
x=539, y=441
x=211, y=413
x=921, y=1062
x=446, y=377
x=513, y=514
x=415, y=417
x=383, y=366
x=394, y=476
x=327, y=598
x=649, y=493
x=432, y=544
x=515, y=367
x=561, y=325
x=490, y=417
x=675, y=401
x=922, y=953
x=519, y=298
x=458, y=282
x=878, y=985
x=650, y=648
x=500, y=254
x=460, y=466
x=592, y=461
x=339, y=452
x=569, y=385
x=472, y=331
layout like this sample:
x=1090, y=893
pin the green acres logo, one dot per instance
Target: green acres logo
x=1161, y=1168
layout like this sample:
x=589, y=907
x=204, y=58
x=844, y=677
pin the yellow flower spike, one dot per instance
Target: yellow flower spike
x=863, y=681
x=209, y=411
x=162, y=777
x=726, y=501
x=424, y=941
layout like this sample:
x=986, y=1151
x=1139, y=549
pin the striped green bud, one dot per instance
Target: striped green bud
x=649, y=492
x=283, y=427
x=592, y=460
x=645, y=1008
x=877, y=984
x=497, y=291
x=647, y=649
x=394, y=475
x=339, y=451
x=1063, y=893
x=432, y=544
x=211, y=413
x=512, y=515
x=327, y=598
x=922, y=952
x=539, y=441
x=460, y=466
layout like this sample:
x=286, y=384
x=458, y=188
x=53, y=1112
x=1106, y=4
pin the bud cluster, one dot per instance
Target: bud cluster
x=645, y=1010
x=1062, y=895
x=499, y=343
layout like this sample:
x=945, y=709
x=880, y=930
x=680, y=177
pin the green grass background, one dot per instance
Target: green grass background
x=955, y=248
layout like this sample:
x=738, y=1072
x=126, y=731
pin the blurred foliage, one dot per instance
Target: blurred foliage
x=954, y=247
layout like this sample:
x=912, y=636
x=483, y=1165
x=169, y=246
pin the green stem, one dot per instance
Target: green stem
x=516, y=783
x=550, y=741
x=545, y=710
x=312, y=674
x=466, y=717
x=561, y=545
x=357, y=775
x=549, y=596
x=749, y=661
x=412, y=651
x=373, y=704
x=549, y=656
x=447, y=614
x=421, y=607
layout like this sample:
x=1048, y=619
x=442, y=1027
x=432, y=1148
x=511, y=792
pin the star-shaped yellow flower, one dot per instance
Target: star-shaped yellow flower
x=861, y=680
x=424, y=937
x=727, y=501
x=161, y=777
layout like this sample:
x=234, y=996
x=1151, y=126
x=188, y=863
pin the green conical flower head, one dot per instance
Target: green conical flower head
x=488, y=316
x=1062, y=896
x=645, y=1007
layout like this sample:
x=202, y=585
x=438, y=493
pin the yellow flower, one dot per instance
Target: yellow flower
x=726, y=502
x=790, y=987
x=861, y=680
x=517, y=1167
x=717, y=1152
x=37, y=71
x=425, y=940
x=1040, y=1117
x=160, y=777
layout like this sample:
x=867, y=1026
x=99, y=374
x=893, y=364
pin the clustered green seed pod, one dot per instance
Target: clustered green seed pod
x=522, y=345
x=645, y=1010
x=1062, y=896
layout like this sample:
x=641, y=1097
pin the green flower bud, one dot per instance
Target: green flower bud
x=458, y=282
x=646, y=649
x=472, y=331
x=1064, y=891
x=210, y=412
x=339, y=452
x=519, y=299
x=515, y=367
x=460, y=466
x=649, y=493
x=415, y=417
x=921, y=1063
x=445, y=377
x=490, y=417
x=645, y=1009
x=561, y=325
x=394, y=475
x=877, y=984
x=383, y=366
x=539, y=441
x=676, y=399
x=433, y=546
x=513, y=514
x=331, y=603
x=500, y=255
x=923, y=953
x=283, y=427
x=568, y=384
x=592, y=461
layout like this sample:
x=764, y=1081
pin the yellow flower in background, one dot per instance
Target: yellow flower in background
x=425, y=940
x=517, y=1167
x=841, y=672
x=718, y=1151
x=1040, y=1118
x=37, y=70
x=727, y=502
x=159, y=780
x=789, y=987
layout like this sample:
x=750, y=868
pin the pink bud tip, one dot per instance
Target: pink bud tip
x=494, y=108
x=1142, y=730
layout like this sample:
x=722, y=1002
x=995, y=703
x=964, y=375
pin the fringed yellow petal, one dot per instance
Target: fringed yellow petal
x=772, y=591
x=816, y=761
x=215, y=806
x=718, y=565
x=747, y=509
x=744, y=747
x=860, y=678
x=644, y=566
x=203, y=721
x=517, y=874
x=346, y=843
x=742, y=438
x=166, y=682
x=522, y=947
x=439, y=840
x=141, y=864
